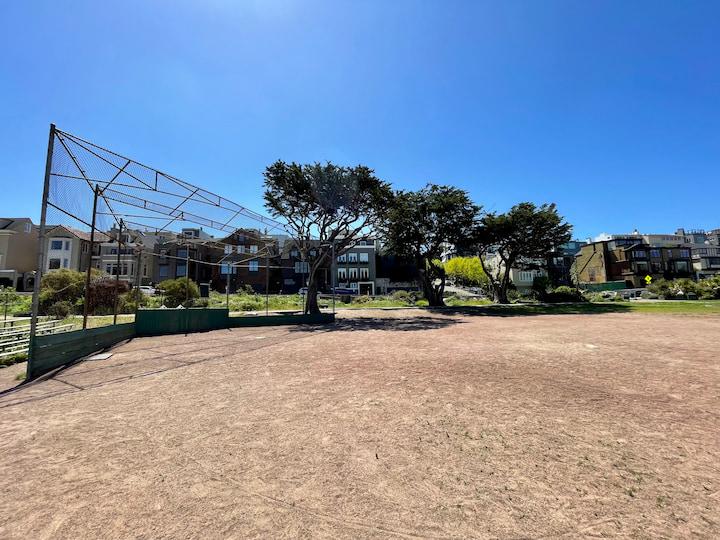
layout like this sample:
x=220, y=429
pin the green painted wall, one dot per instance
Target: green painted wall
x=155, y=322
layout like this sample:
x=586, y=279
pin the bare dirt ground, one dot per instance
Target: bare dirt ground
x=403, y=424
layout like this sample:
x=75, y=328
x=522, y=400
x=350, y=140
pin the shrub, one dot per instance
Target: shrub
x=177, y=291
x=403, y=296
x=61, y=285
x=102, y=295
x=564, y=294
x=364, y=299
x=60, y=310
x=13, y=359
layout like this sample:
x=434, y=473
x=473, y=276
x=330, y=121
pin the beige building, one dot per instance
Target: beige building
x=70, y=248
x=18, y=252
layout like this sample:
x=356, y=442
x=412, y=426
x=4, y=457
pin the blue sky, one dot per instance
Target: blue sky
x=609, y=109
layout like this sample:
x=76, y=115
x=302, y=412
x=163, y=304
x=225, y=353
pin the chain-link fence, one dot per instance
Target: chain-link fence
x=126, y=227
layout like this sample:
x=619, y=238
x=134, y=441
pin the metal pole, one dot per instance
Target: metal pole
x=267, y=282
x=92, y=245
x=41, y=242
x=187, y=272
x=333, y=271
x=228, y=267
x=117, y=273
x=137, y=282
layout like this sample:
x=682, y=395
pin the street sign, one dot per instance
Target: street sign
x=648, y=279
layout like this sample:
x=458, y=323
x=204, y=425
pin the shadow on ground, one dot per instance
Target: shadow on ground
x=519, y=310
x=403, y=324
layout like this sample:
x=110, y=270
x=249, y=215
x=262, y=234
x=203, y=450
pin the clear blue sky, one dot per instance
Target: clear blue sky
x=609, y=109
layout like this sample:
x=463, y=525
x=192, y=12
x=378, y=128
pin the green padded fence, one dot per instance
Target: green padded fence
x=156, y=322
x=54, y=350
x=607, y=286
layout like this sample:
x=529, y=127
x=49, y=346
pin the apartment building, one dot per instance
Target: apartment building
x=560, y=262
x=249, y=257
x=355, y=267
x=295, y=268
x=69, y=248
x=136, y=254
x=187, y=254
x=630, y=259
x=18, y=253
x=705, y=247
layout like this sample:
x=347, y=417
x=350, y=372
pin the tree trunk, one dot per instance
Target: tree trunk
x=311, y=305
x=433, y=294
x=501, y=288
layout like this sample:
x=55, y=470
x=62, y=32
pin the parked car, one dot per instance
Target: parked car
x=146, y=289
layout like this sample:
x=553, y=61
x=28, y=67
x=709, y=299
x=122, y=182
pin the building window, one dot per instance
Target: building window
x=294, y=253
x=254, y=266
x=341, y=258
x=54, y=264
x=364, y=273
x=681, y=266
x=182, y=252
x=363, y=257
x=56, y=244
x=181, y=269
x=313, y=253
x=526, y=276
x=352, y=257
x=342, y=273
x=228, y=249
x=655, y=253
x=641, y=267
x=301, y=267
x=253, y=249
x=227, y=268
x=353, y=273
x=65, y=263
x=164, y=271
x=685, y=253
x=28, y=228
x=639, y=254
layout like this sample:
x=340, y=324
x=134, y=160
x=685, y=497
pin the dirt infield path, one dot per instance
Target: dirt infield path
x=403, y=424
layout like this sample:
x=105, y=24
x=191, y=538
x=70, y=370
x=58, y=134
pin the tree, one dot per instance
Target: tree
x=519, y=239
x=422, y=225
x=466, y=271
x=8, y=296
x=324, y=206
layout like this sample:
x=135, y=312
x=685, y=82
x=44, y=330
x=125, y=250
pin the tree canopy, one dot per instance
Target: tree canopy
x=522, y=238
x=422, y=225
x=325, y=205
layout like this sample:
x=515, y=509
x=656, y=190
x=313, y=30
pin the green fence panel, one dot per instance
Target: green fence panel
x=51, y=351
x=607, y=286
x=155, y=322
x=278, y=320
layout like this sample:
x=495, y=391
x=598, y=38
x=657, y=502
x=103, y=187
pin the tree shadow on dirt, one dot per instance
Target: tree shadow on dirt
x=403, y=324
x=524, y=310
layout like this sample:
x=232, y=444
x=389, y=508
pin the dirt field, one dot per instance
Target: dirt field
x=416, y=425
